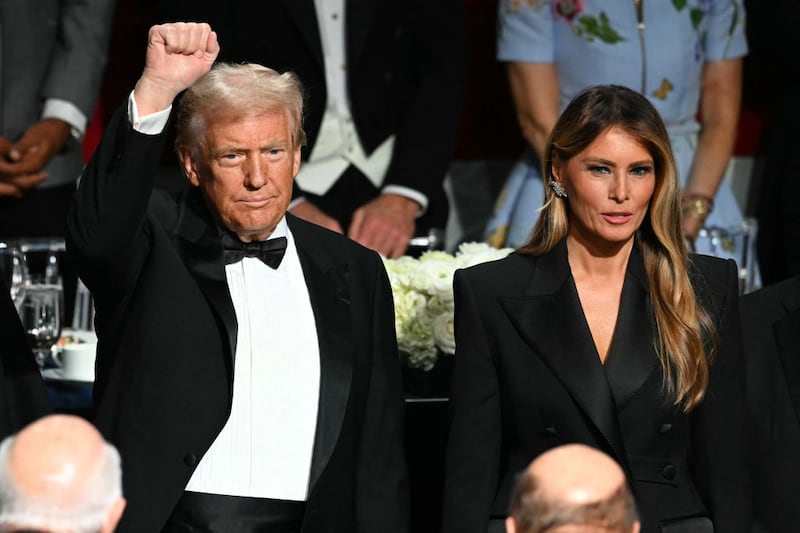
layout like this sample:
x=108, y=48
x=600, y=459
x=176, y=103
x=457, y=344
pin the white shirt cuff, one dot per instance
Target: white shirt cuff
x=411, y=194
x=68, y=112
x=151, y=124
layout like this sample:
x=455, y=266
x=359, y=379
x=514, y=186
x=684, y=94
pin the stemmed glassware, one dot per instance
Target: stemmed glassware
x=14, y=271
x=40, y=311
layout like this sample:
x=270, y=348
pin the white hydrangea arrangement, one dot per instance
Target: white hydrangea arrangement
x=423, y=300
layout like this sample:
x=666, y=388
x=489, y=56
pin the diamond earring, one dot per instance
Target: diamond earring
x=559, y=189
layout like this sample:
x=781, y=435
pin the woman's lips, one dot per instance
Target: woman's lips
x=617, y=217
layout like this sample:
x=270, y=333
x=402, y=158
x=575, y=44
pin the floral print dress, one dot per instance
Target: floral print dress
x=657, y=47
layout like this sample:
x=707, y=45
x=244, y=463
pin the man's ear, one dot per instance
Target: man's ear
x=113, y=516
x=188, y=165
x=296, y=163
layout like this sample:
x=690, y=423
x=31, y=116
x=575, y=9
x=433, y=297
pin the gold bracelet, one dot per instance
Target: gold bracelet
x=696, y=206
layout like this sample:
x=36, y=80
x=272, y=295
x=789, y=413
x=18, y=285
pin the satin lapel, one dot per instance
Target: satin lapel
x=787, y=341
x=328, y=289
x=632, y=357
x=550, y=319
x=304, y=17
x=201, y=250
x=357, y=25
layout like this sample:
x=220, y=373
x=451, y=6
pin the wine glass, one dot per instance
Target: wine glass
x=40, y=312
x=14, y=271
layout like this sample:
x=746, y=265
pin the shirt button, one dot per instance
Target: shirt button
x=190, y=459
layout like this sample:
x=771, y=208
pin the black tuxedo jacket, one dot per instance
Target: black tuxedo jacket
x=771, y=335
x=167, y=332
x=527, y=378
x=23, y=397
x=405, y=71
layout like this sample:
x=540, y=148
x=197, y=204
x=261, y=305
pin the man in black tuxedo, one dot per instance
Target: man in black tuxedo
x=771, y=341
x=384, y=83
x=247, y=365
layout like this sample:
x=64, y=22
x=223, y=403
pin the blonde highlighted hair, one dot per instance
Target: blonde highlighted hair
x=240, y=90
x=685, y=334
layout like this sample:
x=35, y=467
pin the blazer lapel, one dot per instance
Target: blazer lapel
x=328, y=289
x=201, y=249
x=357, y=25
x=632, y=357
x=787, y=340
x=304, y=15
x=550, y=319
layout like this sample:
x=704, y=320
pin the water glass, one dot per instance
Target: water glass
x=40, y=312
x=13, y=271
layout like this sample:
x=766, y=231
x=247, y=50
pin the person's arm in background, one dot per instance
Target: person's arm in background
x=70, y=92
x=720, y=102
x=534, y=88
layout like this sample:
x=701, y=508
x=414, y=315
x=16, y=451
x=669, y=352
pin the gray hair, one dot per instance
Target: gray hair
x=88, y=514
x=239, y=89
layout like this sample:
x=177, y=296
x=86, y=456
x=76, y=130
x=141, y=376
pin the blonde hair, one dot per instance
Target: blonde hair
x=686, y=336
x=239, y=89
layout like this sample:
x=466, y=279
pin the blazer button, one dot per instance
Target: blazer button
x=665, y=428
x=190, y=459
x=550, y=431
x=668, y=472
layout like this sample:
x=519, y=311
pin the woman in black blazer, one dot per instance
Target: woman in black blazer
x=602, y=330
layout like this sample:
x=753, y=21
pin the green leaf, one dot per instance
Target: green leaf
x=696, y=15
x=679, y=4
x=591, y=27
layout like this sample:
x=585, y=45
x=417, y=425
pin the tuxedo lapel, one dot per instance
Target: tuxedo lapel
x=787, y=342
x=328, y=289
x=357, y=25
x=201, y=250
x=550, y=319
x=304, y=17
x=632, y=357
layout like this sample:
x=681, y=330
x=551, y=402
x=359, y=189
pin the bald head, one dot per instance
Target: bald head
x=573, y=489
x=58, y=474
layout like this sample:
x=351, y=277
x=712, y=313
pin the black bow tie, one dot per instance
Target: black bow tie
x=270, y=252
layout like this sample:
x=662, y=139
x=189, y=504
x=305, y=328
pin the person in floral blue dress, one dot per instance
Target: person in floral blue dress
x=685, y=56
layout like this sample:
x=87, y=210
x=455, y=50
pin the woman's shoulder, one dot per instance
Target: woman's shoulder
x=714, y=280
x=712, y=270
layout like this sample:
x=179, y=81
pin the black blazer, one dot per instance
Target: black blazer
x=167, y=332
x=527, y=378
x=23, y=397
x=771, y=336
x=405, y=72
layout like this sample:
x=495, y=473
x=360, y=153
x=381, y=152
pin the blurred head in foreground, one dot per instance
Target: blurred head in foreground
x=58, y=475
x=572, y=489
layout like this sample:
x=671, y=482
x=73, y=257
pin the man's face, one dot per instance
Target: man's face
x=245, y=166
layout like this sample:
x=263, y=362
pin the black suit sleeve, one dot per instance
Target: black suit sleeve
x=473, y=448
x=106, y=226
x=382, y=499
x=23, y=397
x=719, y=448
x=428, y=122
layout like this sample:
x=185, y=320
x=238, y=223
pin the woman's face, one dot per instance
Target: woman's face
x=609, y=185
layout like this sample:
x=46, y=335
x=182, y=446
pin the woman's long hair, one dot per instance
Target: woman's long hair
x=686, y=336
